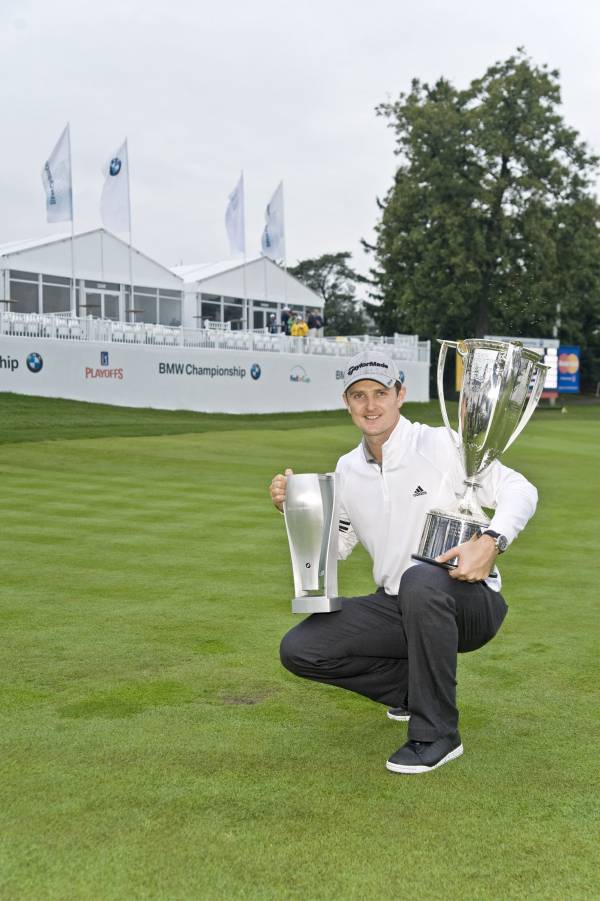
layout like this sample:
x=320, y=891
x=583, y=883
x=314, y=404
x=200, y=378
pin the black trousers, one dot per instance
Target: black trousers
x=400, y=651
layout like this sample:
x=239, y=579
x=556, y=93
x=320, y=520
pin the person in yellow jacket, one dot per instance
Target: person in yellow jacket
x=299, y=328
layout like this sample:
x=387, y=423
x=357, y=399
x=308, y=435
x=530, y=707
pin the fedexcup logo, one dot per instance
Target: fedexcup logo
x=34, y=362
x=115, y=166
x=298, y=374
x=255, y=371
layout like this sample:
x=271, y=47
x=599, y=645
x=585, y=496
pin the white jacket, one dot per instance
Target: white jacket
x=379, y=507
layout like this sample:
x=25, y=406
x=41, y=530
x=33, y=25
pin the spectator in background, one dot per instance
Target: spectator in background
x=320, y=321
x=299, y=327
x=273, y=325
x=315, y=324
x=286, y=314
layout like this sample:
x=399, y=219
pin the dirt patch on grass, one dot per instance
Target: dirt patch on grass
x=256, y=697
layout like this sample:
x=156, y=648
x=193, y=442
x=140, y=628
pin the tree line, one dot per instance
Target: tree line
x=491, y=224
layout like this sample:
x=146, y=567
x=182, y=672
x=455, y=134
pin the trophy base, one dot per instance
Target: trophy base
x=312, y=604
x=433, y=562
x=446, y=529
x=448, y=566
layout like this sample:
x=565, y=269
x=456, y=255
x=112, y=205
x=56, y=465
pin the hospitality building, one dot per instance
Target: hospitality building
x=92, y=273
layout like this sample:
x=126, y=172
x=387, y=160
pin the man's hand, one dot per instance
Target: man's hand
x=277, y=489
x=476, y=559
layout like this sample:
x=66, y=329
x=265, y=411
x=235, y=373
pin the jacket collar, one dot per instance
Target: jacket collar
x=395, y=448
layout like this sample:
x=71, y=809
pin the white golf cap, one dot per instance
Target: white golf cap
x=372, y=364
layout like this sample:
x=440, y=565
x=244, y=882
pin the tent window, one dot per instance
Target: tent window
x=24, y=276
x=169, y=311
x=146, y=306
x=211, y=311
x=27, y=296
x=234, y=313
x=56, y=299
x=55, y=280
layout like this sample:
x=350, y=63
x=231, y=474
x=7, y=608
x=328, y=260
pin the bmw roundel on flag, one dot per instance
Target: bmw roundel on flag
x=114, y=202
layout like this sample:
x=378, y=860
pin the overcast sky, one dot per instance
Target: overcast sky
x=283, y=90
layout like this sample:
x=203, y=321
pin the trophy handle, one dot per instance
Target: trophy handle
x=538, y=387
x=440, y=382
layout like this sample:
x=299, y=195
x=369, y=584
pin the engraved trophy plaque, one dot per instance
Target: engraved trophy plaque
x=501, y=387
x=312, y=526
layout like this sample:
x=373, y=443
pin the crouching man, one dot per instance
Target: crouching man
x=399, y=645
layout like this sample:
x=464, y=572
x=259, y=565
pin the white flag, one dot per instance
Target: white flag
x=273, y=236
x=235, y=219
x=56, y=178
x=114, y=202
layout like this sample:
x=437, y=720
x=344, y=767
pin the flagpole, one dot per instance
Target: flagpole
x=266, y=281
x=284, y=250
x=132, y=304
x=73, y=283
x=244, y=286
x=131, y=308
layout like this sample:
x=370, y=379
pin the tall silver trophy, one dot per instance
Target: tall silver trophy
x=312, y=526
x=502, y=384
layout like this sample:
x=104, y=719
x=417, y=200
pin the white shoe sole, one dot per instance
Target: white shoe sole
x=401, y=768
x=400, y=719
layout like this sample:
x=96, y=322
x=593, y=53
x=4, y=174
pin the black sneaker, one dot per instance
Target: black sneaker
x=399, y=713
x=423, y=756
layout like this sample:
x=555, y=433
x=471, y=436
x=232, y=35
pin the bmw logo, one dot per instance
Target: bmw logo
x=34, y=363
x=255, y=371
x=115, y=166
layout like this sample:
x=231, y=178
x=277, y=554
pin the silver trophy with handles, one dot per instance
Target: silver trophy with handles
x=502, y=384
x=311, y=520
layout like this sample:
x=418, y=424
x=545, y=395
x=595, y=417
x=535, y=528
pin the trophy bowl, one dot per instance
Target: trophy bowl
x=502, y=384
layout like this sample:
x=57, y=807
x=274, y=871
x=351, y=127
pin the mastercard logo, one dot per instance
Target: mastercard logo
x=568, y=363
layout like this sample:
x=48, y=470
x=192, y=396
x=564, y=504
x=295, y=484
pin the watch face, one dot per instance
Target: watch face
x=502, y=543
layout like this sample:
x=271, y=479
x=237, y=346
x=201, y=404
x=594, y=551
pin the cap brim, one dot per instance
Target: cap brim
x=387, y=383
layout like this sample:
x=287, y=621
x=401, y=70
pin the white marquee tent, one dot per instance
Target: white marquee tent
x=36, y=277
x=245, y=294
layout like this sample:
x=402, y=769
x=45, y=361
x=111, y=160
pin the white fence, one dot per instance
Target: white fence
x=66, y=327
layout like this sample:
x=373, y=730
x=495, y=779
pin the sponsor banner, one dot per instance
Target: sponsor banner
x=206, y=380
x=568, y=369
x=177, y=368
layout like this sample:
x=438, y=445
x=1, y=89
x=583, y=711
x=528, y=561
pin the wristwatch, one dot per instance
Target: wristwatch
x=501, y=540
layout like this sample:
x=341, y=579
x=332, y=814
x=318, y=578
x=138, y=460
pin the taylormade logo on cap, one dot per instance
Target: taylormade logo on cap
x=372, y=365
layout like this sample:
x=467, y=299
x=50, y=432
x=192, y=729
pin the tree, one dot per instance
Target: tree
x=332, y=277
x=490, y=222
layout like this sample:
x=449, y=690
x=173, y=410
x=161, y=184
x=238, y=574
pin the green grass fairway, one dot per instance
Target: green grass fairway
x=153, y=748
